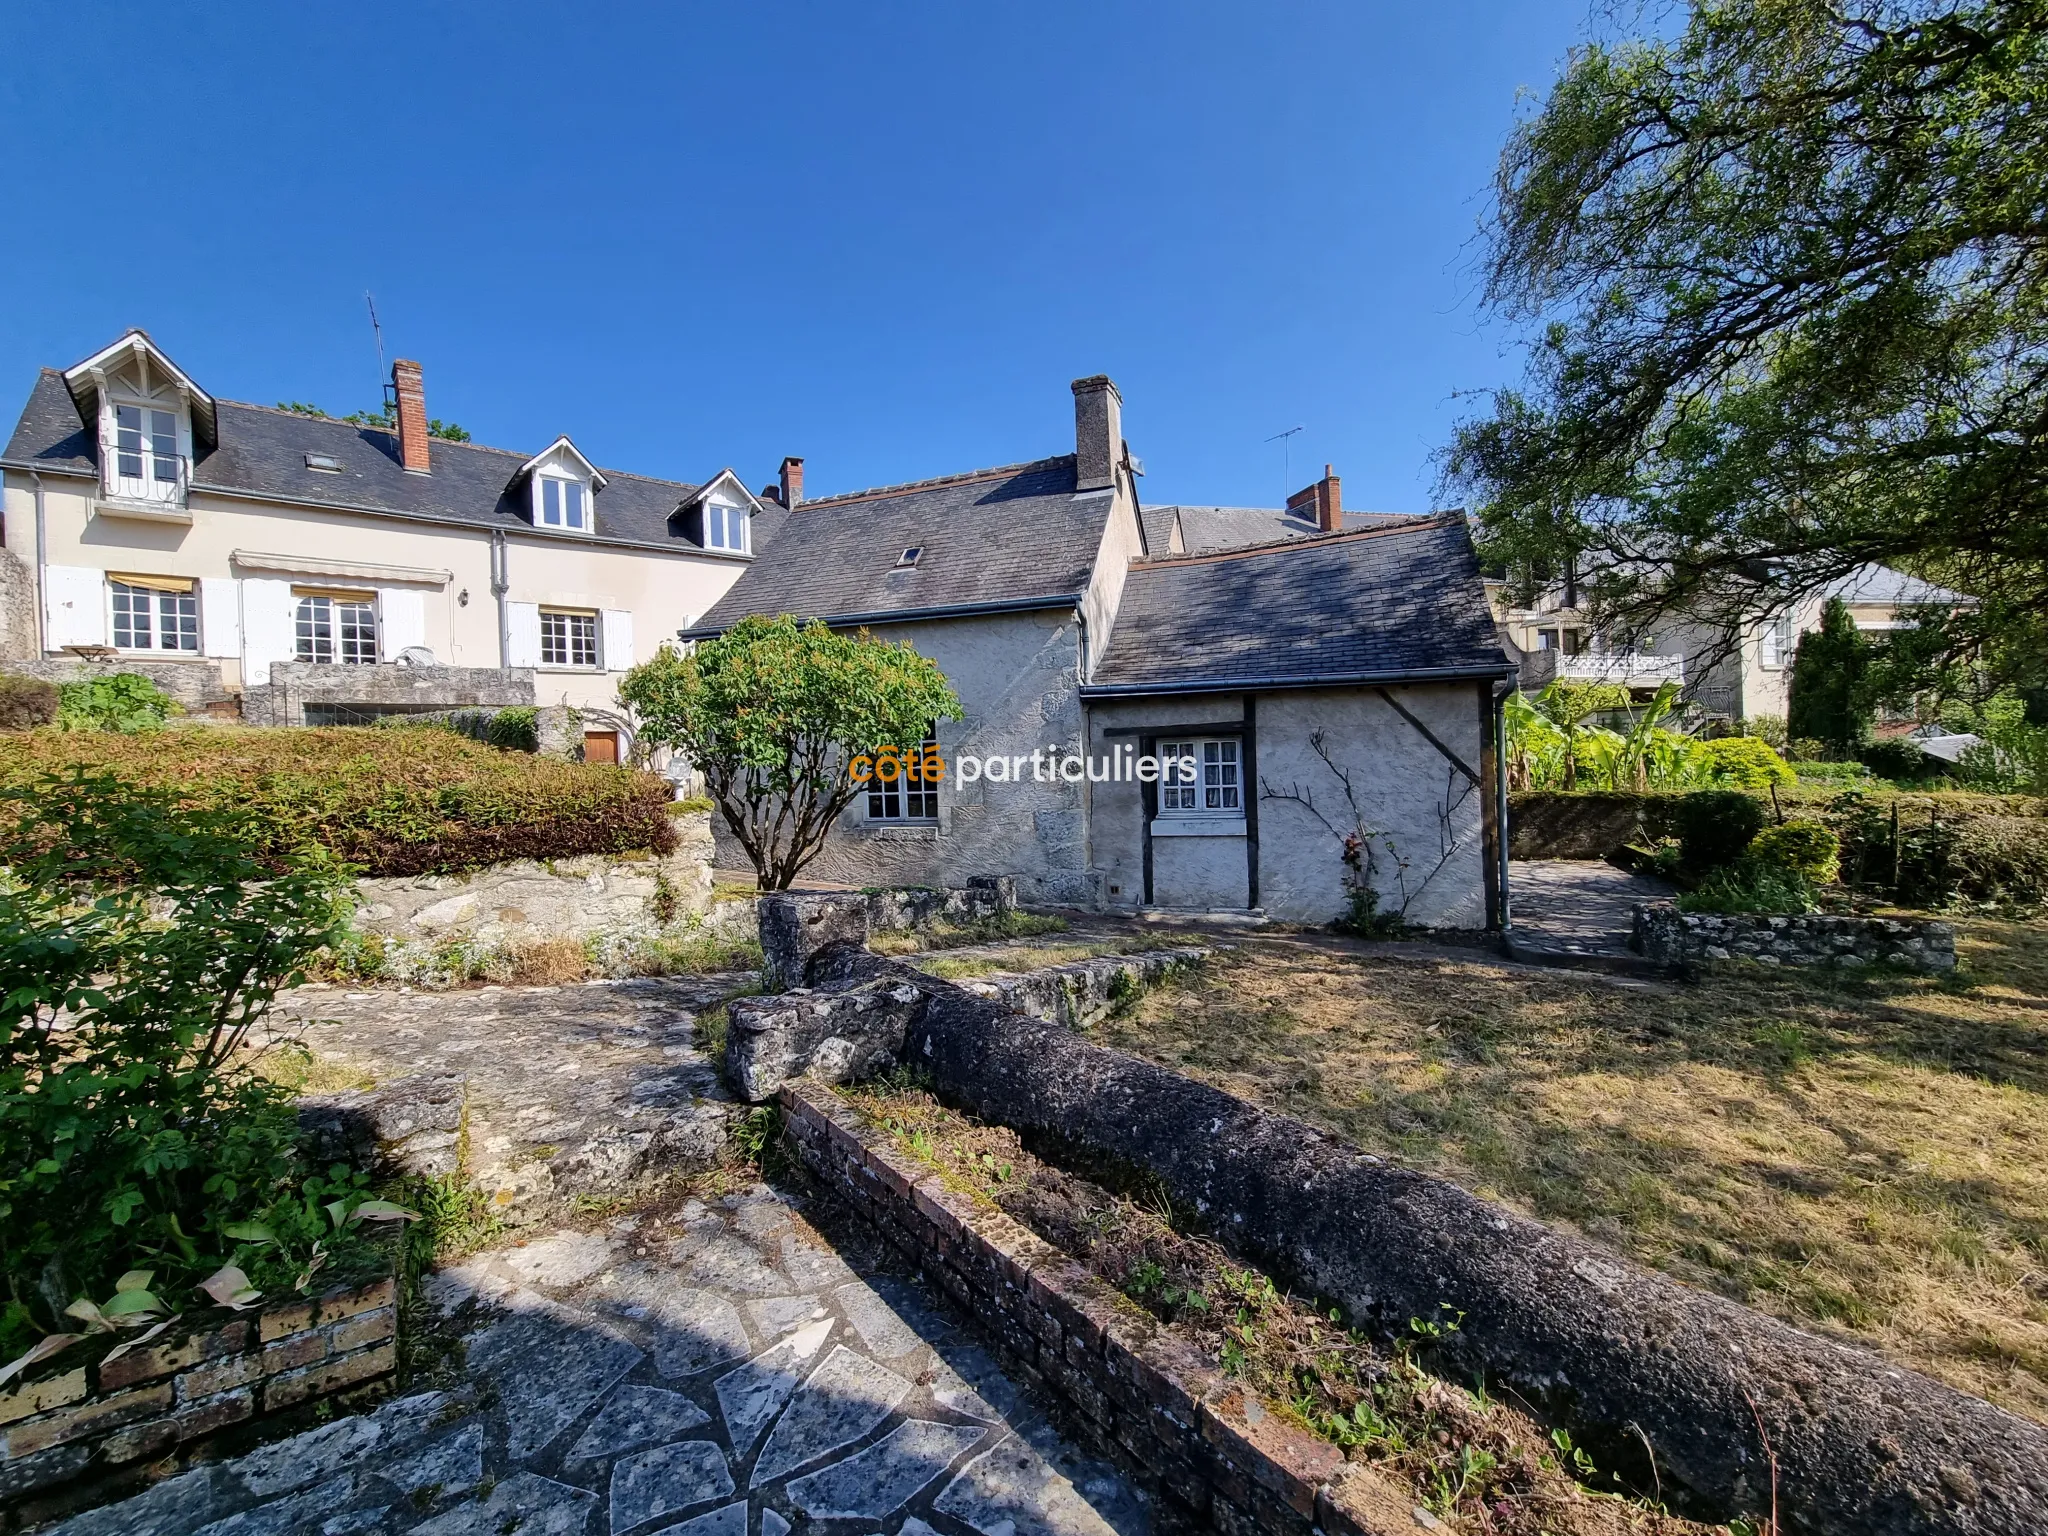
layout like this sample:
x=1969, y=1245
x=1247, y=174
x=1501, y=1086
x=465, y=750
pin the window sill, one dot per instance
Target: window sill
x=143, y=511
x=549, y=666
x=898, y=831
x=1198, y=826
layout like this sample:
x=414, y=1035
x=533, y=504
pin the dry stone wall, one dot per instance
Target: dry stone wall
x=1665, y=934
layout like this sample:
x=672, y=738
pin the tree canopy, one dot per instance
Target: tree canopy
x=774, y=714
x=1787, y=274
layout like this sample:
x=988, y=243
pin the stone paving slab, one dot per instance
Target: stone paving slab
x=581, y=1089
x=1567, y=909
x=629, y=1380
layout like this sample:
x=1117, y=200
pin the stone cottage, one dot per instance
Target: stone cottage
x=1331, y=683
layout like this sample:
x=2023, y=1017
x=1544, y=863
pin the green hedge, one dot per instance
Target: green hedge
x=388, y=802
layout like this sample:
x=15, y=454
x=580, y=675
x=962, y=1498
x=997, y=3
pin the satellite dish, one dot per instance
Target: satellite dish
x=415, y=656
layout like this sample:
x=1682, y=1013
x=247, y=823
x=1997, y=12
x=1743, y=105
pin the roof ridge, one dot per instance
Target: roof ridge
x=965, y=477
x=1417, y=522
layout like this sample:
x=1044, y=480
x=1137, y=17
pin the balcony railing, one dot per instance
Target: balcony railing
x=1631, y=669
x=143, y=475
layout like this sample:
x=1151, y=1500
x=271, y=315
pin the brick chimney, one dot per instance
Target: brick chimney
x=1322, y=502
x=792, y=481
x=1098, y=432
x=411, y=390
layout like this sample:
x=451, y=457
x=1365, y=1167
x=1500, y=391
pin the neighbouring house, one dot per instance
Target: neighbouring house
x=1728, y=674
x=1337, y=684
x=302, y=570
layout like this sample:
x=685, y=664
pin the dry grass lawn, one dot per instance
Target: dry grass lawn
x=1863, y=1156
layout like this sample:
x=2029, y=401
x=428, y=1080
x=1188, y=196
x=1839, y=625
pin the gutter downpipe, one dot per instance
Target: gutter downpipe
x=501, y=583
x=42, y=591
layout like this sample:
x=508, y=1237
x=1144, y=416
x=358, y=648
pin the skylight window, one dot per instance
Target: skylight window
x=323, y=461
x=909, y=558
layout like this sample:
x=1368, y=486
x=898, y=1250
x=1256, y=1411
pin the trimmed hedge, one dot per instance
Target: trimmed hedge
x=388, y=802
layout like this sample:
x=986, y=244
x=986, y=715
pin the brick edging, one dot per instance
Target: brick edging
x=93, y=1418
x=1138, y=1394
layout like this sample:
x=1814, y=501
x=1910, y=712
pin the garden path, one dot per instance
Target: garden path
x=1576, y=910
x=720, y=1369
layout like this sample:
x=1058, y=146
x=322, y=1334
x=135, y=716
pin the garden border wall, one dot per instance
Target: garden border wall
x=1671, y=937
x=1589, y=1340
x=1136, y=1394
x=199, y=1379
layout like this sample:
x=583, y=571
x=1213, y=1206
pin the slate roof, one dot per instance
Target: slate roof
x=1205, y=530
x=262, y=452
x=1882, y=584
x=1013, y=537
x=1397, y=601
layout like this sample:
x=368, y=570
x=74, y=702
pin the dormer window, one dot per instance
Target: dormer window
x=562, y=503
x=725, y=527
x=147, y=465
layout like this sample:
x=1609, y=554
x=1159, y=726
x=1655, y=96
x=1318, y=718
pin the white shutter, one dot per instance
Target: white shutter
x=617, y=654
x=401, y=620
x=269, y=632
x=220, y=615
x=522, y=634
x=75, y=606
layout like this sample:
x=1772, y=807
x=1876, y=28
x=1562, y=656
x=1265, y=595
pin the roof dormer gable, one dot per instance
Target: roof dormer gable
x=148, y=420
x=719, y=515
x=562, y=487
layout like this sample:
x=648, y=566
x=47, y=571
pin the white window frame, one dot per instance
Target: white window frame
x=1780, y=641
x=149, y=483
x=568, y=647
x=909, y=802
x=342, y=648
x=723, y=517
x=160, y=610
x=561, y=486
x=1217, y=794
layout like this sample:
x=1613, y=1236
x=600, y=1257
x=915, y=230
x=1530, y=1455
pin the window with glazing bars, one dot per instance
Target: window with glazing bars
x=153, y=619
x=912, y=797
x=568, y=639
x=337, y=629
x=1214, y=791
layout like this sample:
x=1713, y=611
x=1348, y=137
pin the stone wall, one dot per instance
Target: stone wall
x=1665, y=934
x=1182, y=1429
x=295, y=684
x=591, y=894
x=197, y=686
x=1622, y=1357
x=20, y=634
x=1546, y=824
x=1082, y=992
x=100, y=1420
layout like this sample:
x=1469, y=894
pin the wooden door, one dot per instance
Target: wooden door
x=600, y=746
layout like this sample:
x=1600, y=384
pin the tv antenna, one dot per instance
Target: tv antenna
x=1286, y=439
x=383, y=373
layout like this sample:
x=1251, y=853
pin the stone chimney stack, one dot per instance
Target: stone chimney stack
x=411, y=389
x=792, y=481
x=1098, y=433
x=1322, y=502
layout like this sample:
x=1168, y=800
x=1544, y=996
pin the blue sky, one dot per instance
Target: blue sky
x=883, y=236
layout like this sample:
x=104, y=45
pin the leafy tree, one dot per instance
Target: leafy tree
x=1788, y=284
x=384, y=417
x=1830, y=700
x=774, y=713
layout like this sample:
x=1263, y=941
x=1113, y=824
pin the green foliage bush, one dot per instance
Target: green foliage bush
x=26, y=702
x=1805, y=847
x=1898, y=758
x=387, y=802
x=1745, y=761
x=139, y=941
x=126, y=702
x=516, y=729
x=1925, y=853
x=1750, y=885
x=1829, y=701
x=1714, y=827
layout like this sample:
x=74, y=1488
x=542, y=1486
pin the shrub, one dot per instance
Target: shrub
x=1829, y=700
x=1750, y=886
x=515, y=730
x=1769, y=729
x=1806, y=848
x=1747, y=761
x=1714, y=827
x=388, y=802
x=139, y=941
x=121, y=701
x=1896, y=757
x=1807, y=749
x=1833, y=773
x=26, y=702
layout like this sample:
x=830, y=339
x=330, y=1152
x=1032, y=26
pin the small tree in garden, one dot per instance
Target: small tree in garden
x=774, y=713
x=1829, y=702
